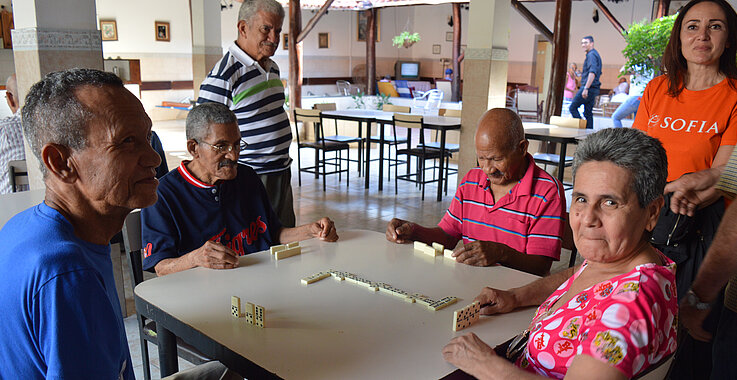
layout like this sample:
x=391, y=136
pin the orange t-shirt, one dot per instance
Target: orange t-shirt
x=692, y=126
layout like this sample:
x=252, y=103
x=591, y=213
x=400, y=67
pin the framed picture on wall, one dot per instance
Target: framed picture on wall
x=449, y=36
x=361, y=25
x=285, y=41
x=162, y=31
x=323, y=40
x=109, y=30
x=436, y=49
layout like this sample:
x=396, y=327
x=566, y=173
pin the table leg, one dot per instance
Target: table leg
x=167, y=342
x=442, y=166
x=562, y=162
x=381, y=155
x=368, y=151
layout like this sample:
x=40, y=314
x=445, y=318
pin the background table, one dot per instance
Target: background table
x=439, y=123
x=561, y=135
x=329, y=329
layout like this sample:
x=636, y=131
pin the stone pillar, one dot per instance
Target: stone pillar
x=485, y=71
x=52, y=35
x=206, y=41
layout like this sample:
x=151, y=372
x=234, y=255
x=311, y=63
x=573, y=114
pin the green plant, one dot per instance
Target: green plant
x=358, y=100
x=382, y=99
x=405, y=39
x=646, y=43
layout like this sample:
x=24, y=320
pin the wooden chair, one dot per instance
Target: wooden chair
x=321, y=146
x=147, y=329
x=450, y=148
x=554, y=158
x=18, y=175
x=343, y=139
x=420, y=152
x=390, y=139
x=527, y=103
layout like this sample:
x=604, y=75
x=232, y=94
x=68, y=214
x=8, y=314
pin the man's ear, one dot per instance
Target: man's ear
x=193, y=148
x=59, y=163
x=242, y=28
x=523, y=145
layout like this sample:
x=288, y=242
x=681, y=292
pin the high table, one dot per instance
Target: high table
x=328, y=329
x=439, y=123
x=561, y=135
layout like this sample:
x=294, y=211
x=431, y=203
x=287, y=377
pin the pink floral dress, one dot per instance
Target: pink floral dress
x=628, y=321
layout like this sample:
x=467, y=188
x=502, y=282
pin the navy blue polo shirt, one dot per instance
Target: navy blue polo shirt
x=188, y=213
x=592, y=64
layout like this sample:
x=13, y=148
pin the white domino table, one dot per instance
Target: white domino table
x=328, y=329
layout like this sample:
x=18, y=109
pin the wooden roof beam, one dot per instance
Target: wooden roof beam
x=313, y=21
x=610, y=17
x=534, y=21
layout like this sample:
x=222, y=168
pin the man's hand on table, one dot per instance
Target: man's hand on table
x=324, y=229
x=498, y=301
x=470, y=354
x=480, y=253
x=399, y=231
x=213, y=255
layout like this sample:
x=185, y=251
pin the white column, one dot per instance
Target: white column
x=206, y=41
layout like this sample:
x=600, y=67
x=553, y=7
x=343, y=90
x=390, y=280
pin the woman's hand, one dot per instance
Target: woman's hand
x=472, y=355
x=497, y=301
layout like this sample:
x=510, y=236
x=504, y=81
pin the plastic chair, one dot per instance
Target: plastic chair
x=147, y=330
x=433, y=98
x=320, y=145
x=344, y=87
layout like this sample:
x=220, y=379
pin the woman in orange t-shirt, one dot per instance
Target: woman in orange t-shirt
x=692, y=110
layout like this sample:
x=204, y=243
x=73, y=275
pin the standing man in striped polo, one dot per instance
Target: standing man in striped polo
x=247, y=81
x=507, y=210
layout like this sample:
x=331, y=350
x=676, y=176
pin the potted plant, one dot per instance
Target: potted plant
x=646, y=43
x=405, y=39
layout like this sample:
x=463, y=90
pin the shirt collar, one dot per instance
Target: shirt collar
x=246, y=59
x=182, y=169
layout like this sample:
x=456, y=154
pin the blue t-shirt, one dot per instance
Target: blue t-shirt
x=592, y=64
x=236, y=213
x=60, y=313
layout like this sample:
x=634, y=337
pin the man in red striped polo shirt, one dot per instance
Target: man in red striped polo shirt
x=508, y=211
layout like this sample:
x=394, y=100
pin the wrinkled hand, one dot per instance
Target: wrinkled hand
x=324, y=229
x=499, y=301
x=214, y=255
x=470, y=354
x=399, y=231
x=479, y=253
x=687, y=190
x=693, y=319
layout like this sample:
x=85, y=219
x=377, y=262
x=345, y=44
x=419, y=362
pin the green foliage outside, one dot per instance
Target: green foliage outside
x=405, y=39
x=646, y=43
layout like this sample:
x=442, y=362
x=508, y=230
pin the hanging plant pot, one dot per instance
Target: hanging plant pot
x=405, y=39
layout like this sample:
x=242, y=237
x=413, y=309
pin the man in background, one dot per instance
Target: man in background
x=590, y=83
x=11, y=135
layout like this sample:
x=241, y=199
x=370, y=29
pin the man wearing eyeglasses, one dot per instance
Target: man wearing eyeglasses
x=213, y=209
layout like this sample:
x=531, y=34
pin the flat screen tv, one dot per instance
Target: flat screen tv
x=407, y=70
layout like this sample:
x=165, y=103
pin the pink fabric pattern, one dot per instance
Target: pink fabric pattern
x=628, y=321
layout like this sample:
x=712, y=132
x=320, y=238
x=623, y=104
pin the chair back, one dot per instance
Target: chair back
x=449, y=113
x=344, y=87
x=407, y=121
x=393, y=108
x=403, y=90
x=445, y=87
x=18, y=175
x=527, y=99
x=568, y=122
x=325, y=106
x=133, y=245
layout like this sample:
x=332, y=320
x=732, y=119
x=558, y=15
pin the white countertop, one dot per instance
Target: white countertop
x=333, y=329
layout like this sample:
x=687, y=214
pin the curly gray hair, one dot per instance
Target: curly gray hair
x=202, y=116
x=249, y=8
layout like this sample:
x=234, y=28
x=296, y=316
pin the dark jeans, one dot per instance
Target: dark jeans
x=588, y=106
x=279, y=188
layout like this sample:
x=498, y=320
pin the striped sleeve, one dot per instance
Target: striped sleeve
x=451, y=222
x=545, y=232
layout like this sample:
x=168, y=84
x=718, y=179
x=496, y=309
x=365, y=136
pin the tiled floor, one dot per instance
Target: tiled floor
x=351, y=207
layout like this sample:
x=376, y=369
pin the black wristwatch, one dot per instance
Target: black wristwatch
x=693, y=300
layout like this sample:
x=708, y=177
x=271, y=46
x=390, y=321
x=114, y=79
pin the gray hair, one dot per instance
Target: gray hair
x=643, y=156
x=202, y=116
x=249, y=8
x=53, y=114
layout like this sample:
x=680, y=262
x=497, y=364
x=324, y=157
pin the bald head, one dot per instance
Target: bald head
x=11, y=93
x=502, y=127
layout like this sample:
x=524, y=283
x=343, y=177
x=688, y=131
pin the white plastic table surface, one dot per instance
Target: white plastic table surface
x=336, y=329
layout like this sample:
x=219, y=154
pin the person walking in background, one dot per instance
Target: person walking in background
x=590, y=83
x=571, y=82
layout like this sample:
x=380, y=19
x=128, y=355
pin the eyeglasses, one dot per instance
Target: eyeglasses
x=226, y=148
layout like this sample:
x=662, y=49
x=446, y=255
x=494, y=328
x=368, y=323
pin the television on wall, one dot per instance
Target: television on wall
x=407, y=70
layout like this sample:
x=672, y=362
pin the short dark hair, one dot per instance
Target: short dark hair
x=202, y=116
x=591, y=39
x=674, y=65
x=53, y=114
x=643, y=156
